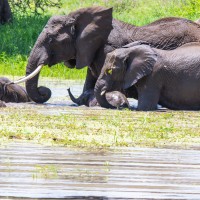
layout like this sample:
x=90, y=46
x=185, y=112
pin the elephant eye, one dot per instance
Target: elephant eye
x=50, y=40
x=108, y=71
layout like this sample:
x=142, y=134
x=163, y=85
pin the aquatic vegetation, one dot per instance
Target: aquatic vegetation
x=100, y=128
x=45, y=171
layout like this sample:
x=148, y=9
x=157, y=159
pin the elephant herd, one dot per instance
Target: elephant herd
x=158, y=63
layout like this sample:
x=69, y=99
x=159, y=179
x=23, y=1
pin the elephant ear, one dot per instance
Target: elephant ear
x=140, y=63
x=93, y=27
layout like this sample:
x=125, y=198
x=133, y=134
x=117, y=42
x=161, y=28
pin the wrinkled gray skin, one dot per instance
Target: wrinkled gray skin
x=12, y=92
x=170, y=78
x=84, y=37
x=5, y=12
x=115, y=98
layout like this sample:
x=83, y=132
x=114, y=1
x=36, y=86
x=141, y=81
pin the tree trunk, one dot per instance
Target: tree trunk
x=5, y=12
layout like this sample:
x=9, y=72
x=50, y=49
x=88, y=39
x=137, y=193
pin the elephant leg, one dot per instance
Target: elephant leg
x=131, y=92
x=88, y=91
x=90, y=81
x=148, y=99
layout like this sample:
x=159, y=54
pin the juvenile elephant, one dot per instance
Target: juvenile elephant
x=5, y=12
x=84, y=37
x=115, y=98
x=12, y=92
x=170, y=78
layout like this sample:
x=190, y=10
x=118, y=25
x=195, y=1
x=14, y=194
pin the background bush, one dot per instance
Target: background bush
x=26, y=7
x=18, y=38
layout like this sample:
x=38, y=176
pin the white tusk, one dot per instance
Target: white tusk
x=103, y=92
x=26, y=78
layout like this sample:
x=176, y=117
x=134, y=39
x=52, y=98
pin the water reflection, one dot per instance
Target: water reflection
x=33, y=171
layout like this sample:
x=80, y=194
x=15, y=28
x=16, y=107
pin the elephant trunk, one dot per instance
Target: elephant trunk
x=100, y=93
x=37, y=58
x=75, y=100
x=37, y=94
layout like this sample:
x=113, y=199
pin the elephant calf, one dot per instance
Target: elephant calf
x=12, y=92
x=170, y=78
x=87, y=98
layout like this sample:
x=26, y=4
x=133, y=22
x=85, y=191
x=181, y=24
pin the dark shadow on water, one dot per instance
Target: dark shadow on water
x=68, y=198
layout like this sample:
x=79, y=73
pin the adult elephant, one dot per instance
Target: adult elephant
x=5, y=12
x=84, y=37
x=170, y=78
x=12, y=92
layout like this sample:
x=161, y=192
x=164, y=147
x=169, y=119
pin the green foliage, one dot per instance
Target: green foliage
x=24, y=7
x=18, y=38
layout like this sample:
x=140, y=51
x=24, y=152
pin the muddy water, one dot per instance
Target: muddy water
x=33, y=171
x=60, y=97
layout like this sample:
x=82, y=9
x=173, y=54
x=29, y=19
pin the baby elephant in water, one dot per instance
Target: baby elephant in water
x=115, y=98
x=169, y=78
x=11, y=92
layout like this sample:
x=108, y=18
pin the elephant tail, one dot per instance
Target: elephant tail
x=75, y=100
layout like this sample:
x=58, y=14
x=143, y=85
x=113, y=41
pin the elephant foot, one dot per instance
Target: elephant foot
x=2, y=104
x=87, y=98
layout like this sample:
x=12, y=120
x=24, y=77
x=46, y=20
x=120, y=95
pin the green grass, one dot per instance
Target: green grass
x=100, y=128
x=18, y=38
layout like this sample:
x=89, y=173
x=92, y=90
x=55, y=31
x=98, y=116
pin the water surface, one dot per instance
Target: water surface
x=34, y=171
x=60, y=97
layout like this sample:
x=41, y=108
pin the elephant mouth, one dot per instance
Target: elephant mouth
x=104, y=90
x=111, y=87
x=70, y=63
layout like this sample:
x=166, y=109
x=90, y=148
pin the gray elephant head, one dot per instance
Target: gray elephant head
x=12, y=92
x=123, y=68
x=73, y=39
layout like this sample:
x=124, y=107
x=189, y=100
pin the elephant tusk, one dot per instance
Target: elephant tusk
x=24, y=79
x=103, y=92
